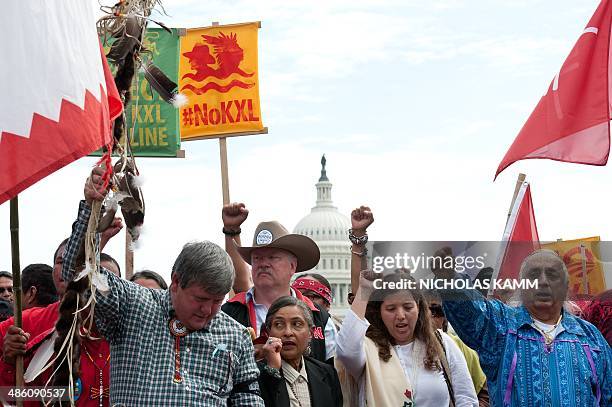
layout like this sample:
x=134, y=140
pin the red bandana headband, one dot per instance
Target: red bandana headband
x=314, y=286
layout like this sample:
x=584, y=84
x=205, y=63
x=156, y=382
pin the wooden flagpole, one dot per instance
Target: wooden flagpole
x=224, y=179
x=585, y=280
x=224, y=171
x=519, y=182
x=503, y=245
x=129, y=255
x=223, y=156
x=14, y=226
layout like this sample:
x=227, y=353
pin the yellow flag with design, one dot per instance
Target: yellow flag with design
x=218, y=72
x=592, y=274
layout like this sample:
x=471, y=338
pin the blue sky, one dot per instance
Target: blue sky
x=413, y=102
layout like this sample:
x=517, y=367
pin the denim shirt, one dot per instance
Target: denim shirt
x=521, y=370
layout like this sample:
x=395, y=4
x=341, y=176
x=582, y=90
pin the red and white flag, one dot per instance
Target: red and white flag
x=520, y=236
x=57, y=94
x=572, y=121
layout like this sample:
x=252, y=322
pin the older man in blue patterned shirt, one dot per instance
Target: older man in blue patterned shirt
x=537, y=354
x=172, y=347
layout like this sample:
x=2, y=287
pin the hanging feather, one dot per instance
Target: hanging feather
x=129, y=40
x=123, y=80
x=124, y=77
x=107, y=218
x=43, y=354
x=119, y=128
x=130, y=196
x=164, y=86
x=159, y=81
x=133, y=209
x=162, y=25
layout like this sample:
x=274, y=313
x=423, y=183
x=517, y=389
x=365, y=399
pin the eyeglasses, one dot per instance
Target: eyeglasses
x=8, y=289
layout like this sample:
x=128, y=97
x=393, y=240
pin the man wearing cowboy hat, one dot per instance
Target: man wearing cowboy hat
x=275, y=256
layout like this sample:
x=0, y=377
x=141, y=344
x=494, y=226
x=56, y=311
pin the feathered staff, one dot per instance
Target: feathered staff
x=126, y=23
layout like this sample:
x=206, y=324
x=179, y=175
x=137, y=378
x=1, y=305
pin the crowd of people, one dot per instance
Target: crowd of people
x=254, y=326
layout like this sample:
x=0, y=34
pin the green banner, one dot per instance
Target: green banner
x=152, y=124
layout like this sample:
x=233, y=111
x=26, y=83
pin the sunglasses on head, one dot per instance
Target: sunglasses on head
x=8, y=289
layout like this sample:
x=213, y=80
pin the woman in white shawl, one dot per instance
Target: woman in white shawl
x=389, y=346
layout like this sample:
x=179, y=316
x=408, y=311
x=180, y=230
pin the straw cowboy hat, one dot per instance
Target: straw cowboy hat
x=274, y=235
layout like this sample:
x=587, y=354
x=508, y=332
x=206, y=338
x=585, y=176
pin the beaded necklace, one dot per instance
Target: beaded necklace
x=178, y=330
x=295, y=394
x=99, y=392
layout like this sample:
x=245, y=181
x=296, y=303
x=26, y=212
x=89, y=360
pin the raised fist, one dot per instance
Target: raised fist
x=233, y=215
x=272, y=350
x=94, y=186
x=361, y=218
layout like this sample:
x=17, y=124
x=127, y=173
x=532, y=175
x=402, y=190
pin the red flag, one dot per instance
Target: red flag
x=57, y=94
x=520, y=236
x=572, y=121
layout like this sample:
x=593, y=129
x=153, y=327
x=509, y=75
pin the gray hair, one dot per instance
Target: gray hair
x=289, y=301
x=540, y=253
x=292, y=257
x=205, y=264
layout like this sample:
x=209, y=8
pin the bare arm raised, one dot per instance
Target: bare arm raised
x=233, y=216
x=361, y=219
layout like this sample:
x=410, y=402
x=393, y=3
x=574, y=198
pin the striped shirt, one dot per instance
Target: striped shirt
x=297, y=384
x=134, y=320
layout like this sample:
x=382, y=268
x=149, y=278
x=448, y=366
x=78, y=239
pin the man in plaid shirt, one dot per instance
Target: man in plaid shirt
x=171, y=347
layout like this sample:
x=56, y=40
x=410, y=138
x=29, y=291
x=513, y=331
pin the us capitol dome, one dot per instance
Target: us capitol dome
x=329, y=229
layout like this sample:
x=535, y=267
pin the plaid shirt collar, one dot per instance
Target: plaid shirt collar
x=166, y=303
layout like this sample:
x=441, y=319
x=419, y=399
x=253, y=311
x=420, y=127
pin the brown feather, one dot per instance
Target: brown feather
x=158, y=80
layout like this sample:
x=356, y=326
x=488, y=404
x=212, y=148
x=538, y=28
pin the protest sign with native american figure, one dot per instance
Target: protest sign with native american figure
x=218, y=72
x=57, y=94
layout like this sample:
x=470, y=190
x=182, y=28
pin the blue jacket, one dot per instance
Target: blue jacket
x=521, y=371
